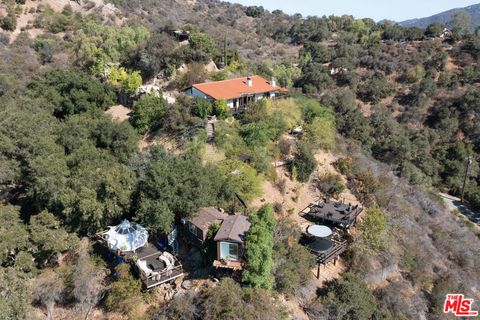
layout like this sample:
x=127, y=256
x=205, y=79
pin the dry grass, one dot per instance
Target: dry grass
x=118, y=112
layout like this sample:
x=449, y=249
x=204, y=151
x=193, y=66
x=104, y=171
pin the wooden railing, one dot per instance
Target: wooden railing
x=161, y=277
x=338, y=248
x=229, y=264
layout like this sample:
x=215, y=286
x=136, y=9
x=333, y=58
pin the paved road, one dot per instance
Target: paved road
x=454, y=203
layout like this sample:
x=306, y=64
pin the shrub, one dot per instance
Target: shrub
x=285, y=147
x=330, y=184
x=372, y=229
x=220, y=109
x=350, y=298
x=375, y=90
x=202, y=108
x=228, y=300
x=304, y=163
x=148, y=113
x=8, y=22
x=343, y=165
x=124, y=80
x=311, y=109
x=125, y=295
x=292, y=262
x=203, y=42
x=321, y=133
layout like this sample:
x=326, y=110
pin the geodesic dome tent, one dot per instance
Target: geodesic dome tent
x=127, y=236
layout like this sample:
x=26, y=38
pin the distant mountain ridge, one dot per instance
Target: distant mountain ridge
x=445, y=17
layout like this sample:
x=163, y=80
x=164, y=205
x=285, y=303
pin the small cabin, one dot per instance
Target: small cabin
x=196, y=229
x=230, y=242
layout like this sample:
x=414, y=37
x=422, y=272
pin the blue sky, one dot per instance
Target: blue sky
x=376, y=9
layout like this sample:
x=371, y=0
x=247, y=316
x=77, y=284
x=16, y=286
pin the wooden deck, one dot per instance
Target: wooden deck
x=339, y=246
x=333, y=213
x=234, y=265
x=161, y=277
x=150, y=254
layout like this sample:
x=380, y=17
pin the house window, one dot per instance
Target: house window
x=192, y=228
x=228, y=251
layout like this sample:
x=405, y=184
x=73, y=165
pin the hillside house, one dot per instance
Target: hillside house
x=229, y=239
x=237, y=92
x=196, y=229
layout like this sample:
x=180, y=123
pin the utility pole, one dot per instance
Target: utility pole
x=225, y=51
x=469, y=162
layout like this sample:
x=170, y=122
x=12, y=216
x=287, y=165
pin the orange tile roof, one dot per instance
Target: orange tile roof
x=235, y=88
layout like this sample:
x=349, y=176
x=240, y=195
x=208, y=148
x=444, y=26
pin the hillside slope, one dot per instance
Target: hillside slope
x=444, y=17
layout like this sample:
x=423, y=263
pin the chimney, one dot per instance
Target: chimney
x=249, y=81
x=273, y=83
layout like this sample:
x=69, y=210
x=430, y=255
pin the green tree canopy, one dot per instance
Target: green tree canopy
x=68, y=92
x=173, y=187
x=124, y=80
x=203, y=42
x=15, y=295
x=14, y=236
x=148, y=113
x=99, y=44
x=350, y=298
x=241, y=179
x=259, y=249
x=48, y=236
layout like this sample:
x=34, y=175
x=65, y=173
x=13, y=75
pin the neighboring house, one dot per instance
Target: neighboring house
x=229, y=239
x=236, y=92
x=197, y=228
x=445, y=33
x=180, y=35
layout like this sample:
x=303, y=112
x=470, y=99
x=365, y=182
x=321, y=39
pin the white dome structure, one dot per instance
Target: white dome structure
x=127, y=236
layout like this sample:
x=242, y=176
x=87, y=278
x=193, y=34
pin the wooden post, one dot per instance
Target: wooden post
x=335, y=261
x=469, y=162
x=318, y=270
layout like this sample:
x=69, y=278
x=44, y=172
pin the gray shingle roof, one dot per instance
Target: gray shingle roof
x=206, y=217
x=233, y=228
